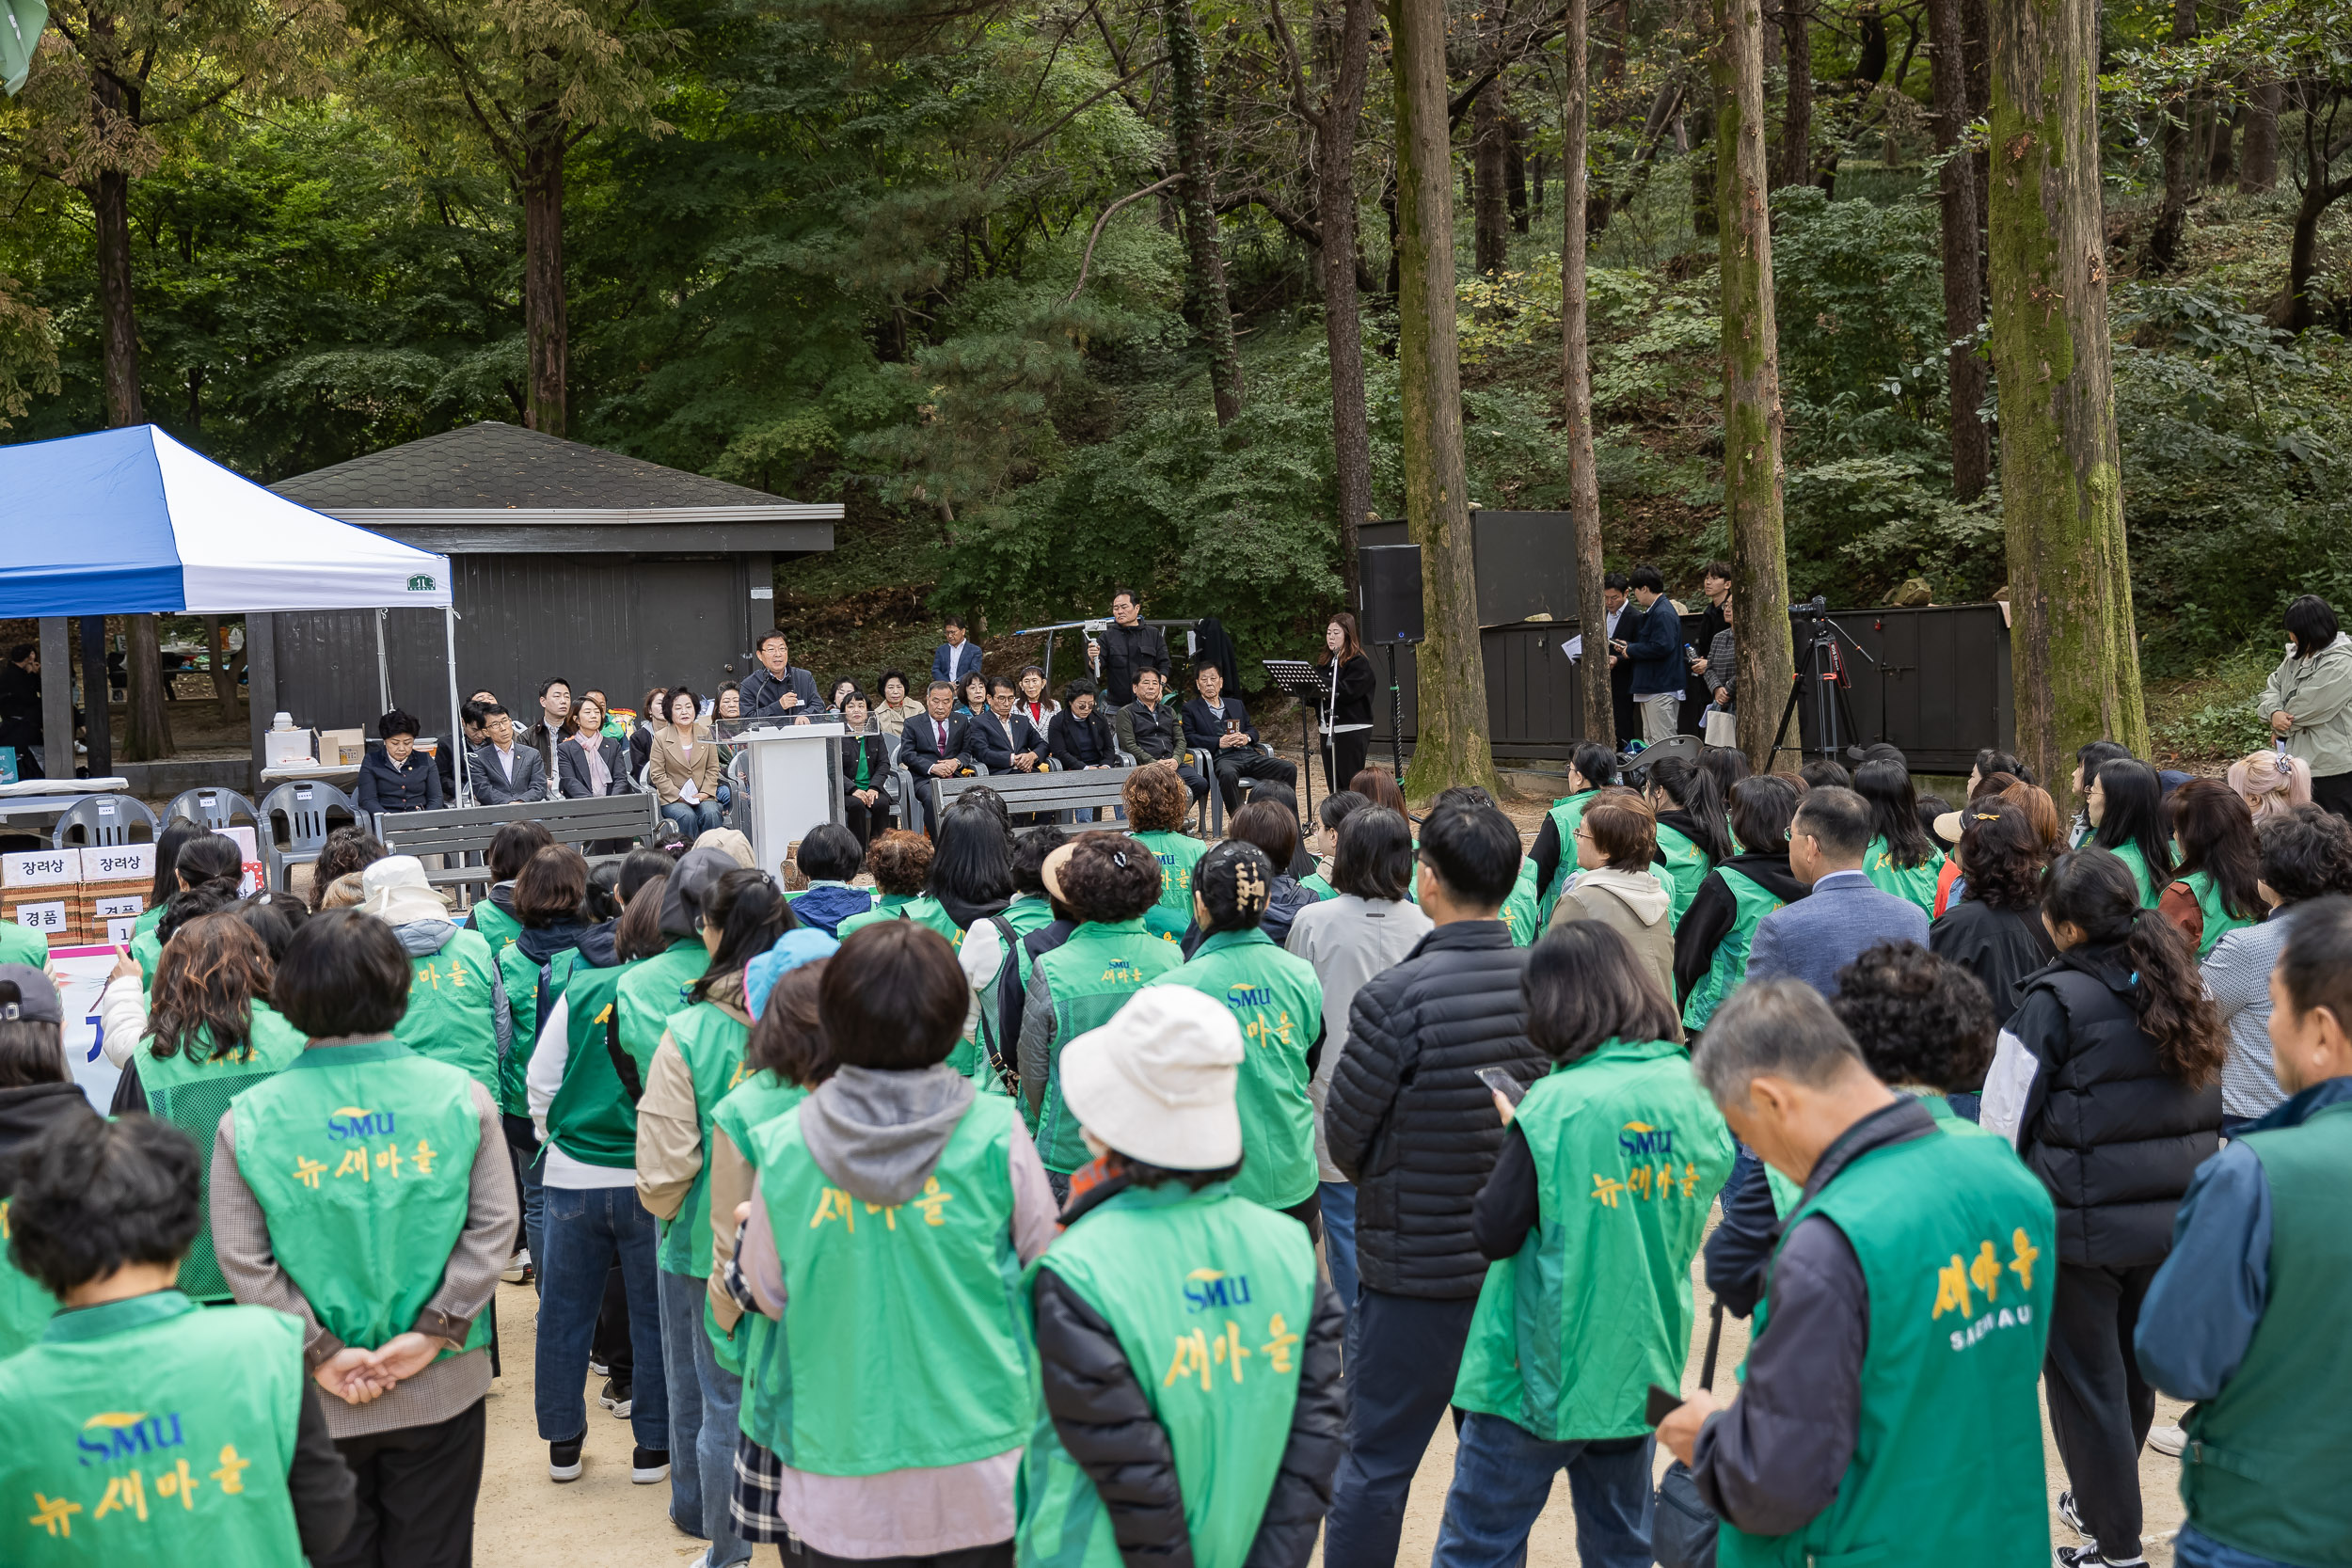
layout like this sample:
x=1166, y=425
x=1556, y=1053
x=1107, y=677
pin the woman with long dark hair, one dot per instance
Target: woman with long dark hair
x=2215, y=887
x=1711, y=942
x=1901, y=859
x=2088, y=758
x=1994, y=932
x=2125, y=1103
x=1693, y=833
x=1592, y=768
x=189, y=855
x=2307, y=702
x=2125, y=805
x=1346, y=703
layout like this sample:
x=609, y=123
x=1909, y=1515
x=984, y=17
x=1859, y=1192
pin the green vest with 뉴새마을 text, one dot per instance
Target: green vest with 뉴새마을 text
x=903, y=1345
x=2263, y=1471
x=361, y=1157
x=1956, y=1241
x=711, y=1045
x=1278, y=1002
x=1595, y=1305
x=452, y=1007
x=1091, y=977
x=1752, y=901
x=152, y=1430
x=190, y=1091
x=1211, y=1298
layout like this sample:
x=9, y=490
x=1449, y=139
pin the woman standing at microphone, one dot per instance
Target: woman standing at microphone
x=1346, y=703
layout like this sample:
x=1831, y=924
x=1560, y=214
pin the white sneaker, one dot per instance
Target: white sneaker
x=2168, y=1440
x=518, y=1267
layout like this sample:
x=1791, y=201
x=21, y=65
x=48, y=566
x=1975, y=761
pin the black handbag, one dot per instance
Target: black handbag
x=1682, y=1532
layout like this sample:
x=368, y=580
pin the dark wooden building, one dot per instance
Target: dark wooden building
x=567, y=560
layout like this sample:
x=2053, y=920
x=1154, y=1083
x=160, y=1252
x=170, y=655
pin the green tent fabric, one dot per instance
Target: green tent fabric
x=19, y=38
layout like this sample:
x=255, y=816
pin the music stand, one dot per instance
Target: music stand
x=1306, y=683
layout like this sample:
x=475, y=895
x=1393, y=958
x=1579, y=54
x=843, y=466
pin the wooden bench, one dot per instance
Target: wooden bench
x=456, y=833
x=1048, y=793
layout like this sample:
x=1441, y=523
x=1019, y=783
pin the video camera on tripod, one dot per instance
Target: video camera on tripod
x=1814, y=609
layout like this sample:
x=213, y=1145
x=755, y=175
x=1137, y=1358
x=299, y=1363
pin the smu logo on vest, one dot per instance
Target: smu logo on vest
x=1243, y=993
x=1207, y=1288
x=1121, y=971
x=356, y=1121
x=1640, y=1140
x=114, y=1434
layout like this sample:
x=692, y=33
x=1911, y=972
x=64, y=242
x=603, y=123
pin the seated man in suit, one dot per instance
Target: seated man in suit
x=957, y=659
x=1150, y=733
x=504, y=769
x=1219, y=727
x=1004, y=740
x=1813, y=939
x=936, y=746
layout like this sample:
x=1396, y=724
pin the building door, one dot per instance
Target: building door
x=689, y=622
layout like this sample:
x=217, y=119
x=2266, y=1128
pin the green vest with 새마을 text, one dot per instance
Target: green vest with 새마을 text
x=593, y=1116
x=152, y=1430
x=2219, y=922
x=1686, y=867
x=1752, y=901
x=1957, y=1243
x=1277, y=1000
x=1091, y=977
x=2264, y=1467
x=1595, y=1305
x=652, y=991
x=361, y=1157
x=1210, y=1297
x=1913, y=884
x=711, y=1045
x=1177, y=853
x=753, y=1103
x=452, y=1014
x=190, y=1091
x=1566, y=814
x=903, y=1344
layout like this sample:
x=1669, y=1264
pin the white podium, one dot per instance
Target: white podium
x=794, y=784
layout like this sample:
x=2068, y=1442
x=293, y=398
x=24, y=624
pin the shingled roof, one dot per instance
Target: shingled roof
x=491, y=467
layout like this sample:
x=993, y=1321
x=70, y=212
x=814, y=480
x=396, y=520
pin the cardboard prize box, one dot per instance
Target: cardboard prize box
x=116, y=881
x=40, y=889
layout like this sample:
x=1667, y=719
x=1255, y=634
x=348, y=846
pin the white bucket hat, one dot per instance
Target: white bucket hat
x=1156, y=1083
x=396, y=892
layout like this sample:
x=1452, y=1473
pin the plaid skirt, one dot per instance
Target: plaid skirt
x=758, y=1476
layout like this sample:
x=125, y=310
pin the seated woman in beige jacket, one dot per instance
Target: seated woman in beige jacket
x=683, y=767
x=1614, y=843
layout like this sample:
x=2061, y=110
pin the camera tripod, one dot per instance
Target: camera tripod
x=1821, y=669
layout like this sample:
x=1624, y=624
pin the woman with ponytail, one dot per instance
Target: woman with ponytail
x=2125, y=1103
x=205, y=871
x=699, y=1059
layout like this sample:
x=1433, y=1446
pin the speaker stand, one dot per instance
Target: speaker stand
x=1396, y=722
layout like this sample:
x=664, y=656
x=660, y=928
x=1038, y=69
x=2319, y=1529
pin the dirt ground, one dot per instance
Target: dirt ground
x=602, y=1521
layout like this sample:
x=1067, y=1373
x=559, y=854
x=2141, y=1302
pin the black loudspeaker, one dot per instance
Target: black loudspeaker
x=1391, y=612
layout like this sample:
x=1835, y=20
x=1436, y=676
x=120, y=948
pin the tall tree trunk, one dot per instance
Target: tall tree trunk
x=1576, y=379
x=2221, y=157
x=1454, y=743
x=1796, y=118
x=109, y=195
x=2258, y=165
x=2164, y=239
x=1707, y=164
x=1766, y=662
x=1490, y=221
x=2076, y=654
x=2292, y=308
x=1343, y=326
x=1963, y=297
x=1515, y=171
x=1204, y=257
x=546, y=405
x=147, y=732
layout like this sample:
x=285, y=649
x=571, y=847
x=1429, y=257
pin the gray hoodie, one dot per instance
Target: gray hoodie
x=880, y=1135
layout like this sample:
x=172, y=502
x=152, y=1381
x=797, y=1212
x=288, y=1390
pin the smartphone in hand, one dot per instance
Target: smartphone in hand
x=1502, y=1084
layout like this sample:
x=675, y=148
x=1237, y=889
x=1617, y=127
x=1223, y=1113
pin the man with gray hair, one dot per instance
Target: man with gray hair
x=1814, y=938
x=1891, y=1384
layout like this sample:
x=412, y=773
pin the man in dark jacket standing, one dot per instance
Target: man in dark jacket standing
x=1650, y=640
x=1409, y=1122
x=1126, y=647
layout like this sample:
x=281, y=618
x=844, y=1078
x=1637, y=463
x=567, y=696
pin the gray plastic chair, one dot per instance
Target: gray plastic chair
x=213, y=808
x=104, y=820
x=304, y=803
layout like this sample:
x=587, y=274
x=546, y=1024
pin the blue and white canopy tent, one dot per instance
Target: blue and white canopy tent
x=127, y=522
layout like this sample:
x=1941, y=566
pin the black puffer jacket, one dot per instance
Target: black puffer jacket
x=1407, y=1118
x=2113, y=1135
x=2004, y=948
x=1105, y=1420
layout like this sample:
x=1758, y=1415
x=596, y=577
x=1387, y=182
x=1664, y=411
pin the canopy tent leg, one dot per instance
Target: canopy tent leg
x=383, y=670
x=455, y=739
x=57, y=699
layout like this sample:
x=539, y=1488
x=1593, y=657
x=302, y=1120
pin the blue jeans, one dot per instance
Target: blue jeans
x=2193, y=1548
x=522, y=1144
x=723, y=1409
x=694, y=820
x=682, y=1323
x=1339, y=1239
x=588, y=1230
x=1503, y=1478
